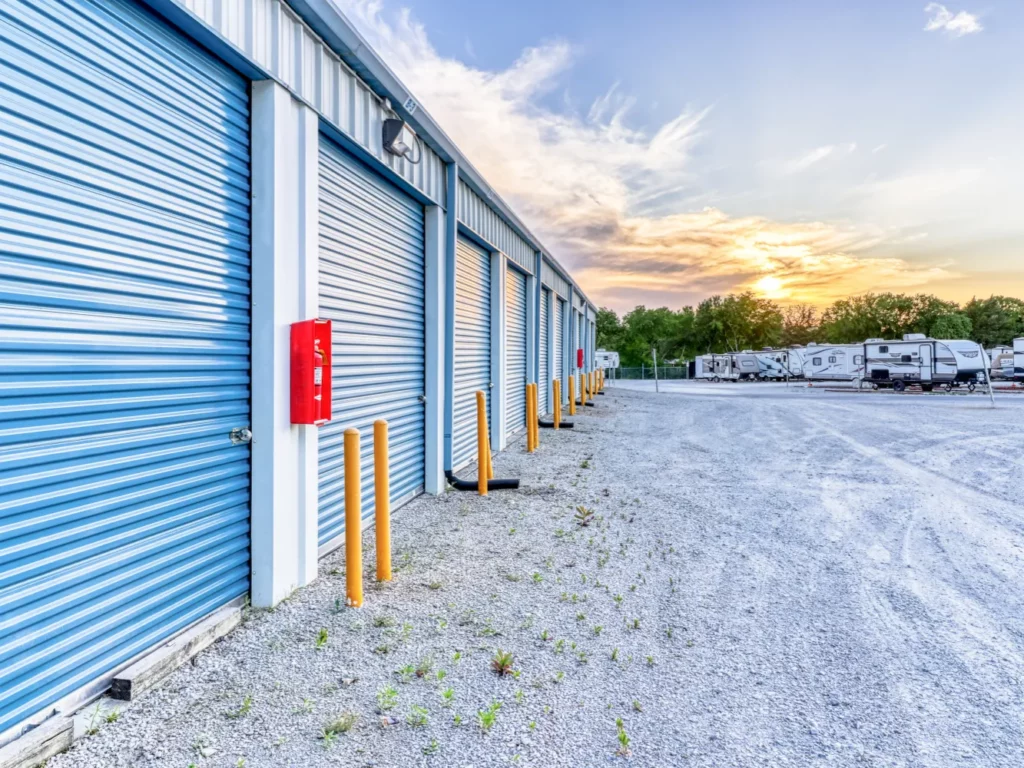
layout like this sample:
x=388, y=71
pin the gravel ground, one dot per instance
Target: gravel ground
x=772, y=576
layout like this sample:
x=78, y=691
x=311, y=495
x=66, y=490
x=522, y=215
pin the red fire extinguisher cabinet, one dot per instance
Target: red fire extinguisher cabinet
x=311, y=372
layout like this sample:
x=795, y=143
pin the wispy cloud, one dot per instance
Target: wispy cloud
x=954, y=24
x=815, y=156
x=610, y=200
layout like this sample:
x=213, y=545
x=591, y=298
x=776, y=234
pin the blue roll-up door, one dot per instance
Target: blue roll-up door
x=544, y=378
x=515, y=350
x=372, y=289
x=472, y=346
x=124, y=342
x=559, y=372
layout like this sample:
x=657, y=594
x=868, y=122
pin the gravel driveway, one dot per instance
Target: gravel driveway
x=770, y=577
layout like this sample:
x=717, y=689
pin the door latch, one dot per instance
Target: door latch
x=241, y=435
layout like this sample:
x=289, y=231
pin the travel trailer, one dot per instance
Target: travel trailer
x=785, y=363
x=836, y=362
x=767, y=366
x=731, y=366
x=917, y=359
x=1000, y=362
x=1018, y=359
x=606, y=359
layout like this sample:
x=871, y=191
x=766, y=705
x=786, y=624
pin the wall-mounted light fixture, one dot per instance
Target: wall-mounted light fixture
x=399, y=139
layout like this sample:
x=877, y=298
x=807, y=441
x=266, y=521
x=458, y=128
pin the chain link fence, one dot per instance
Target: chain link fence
x=664, y=374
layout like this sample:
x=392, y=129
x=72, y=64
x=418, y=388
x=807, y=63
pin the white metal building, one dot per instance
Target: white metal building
x=181, y=181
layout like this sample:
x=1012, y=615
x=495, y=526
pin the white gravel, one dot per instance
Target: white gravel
x=816, y=579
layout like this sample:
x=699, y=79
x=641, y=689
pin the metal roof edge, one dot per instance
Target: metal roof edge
x=330, y=23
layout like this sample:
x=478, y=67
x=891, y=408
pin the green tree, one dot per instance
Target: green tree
x=799, y=325
x=609, y=329
x=955, y=325
x=995, y=320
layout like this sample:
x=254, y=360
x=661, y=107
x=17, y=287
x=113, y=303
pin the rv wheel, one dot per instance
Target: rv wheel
x=948, y=387
x=715, y=379
x=898, y=386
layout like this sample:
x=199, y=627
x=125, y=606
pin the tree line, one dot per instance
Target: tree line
x=744, y=321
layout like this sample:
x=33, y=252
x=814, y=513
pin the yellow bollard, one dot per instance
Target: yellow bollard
x=556, y=387
x=529, y=430
x=353, y=521
x=482, y=448
x=535, y=422
x=382, y=504
x=572, y=396
x=583, y=389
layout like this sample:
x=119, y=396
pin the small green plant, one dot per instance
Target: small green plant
x=441, y=675
x=456, y=657
x=487, y=717
x=636, y=623
x=559, y=676
x=343, y=723
x=387, y=698
x=513, y=577
x=615, y=654
x=447, y=697
x=113, y=716
x=637, y=707
x=622, y=738
x=321, y=639
x=424, y=667
x=306, y=707
x=559, y=645
x=240, y=762
x=456, y=720
x=580, y=616
x=545, y=635
x=383, y=621
x=597, y=629
x=431, y=748
x=583, y=516
x=668, y=633
x=532, y=725
x=502, y=662
x=406, y=673
x=94, y=727
x=581, y=656
x=537, y=578
x=520, y=697
x=244, y=708
x=511, y=531
x=435, y=585
x=618, y=601
x=650, y=661
x=585, y=464
x=417, y=717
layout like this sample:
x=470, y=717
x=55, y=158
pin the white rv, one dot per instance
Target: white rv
x=768, y=367
x=917, y=359
x=731, y=366
x=1018, y=359
x=835, y=362
x=1000, y=362
x=783, y=363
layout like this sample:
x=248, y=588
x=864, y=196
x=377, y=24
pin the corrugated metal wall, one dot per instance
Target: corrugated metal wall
x=515, y=350
x=553, y=280
x=474, y=213
x=372, y=288
x=544, y=377
x=278, y=41
x=559, y=372
x=124, y=342
x=472, y=346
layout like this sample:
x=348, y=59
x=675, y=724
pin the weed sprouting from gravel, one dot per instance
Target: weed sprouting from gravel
x=321, y=638
x=637, y=707
x=387, y=698
x=447, y=697
x=622, y=738
x=486, y=717
x=244, y=708
x=383, y=621
x=502, y=662
x=431, y=748
x=343, y=723
x=615, y=654
x=424, y=667
x=417, y=717
x=583, y=516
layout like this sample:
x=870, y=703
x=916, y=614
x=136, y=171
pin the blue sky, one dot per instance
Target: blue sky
x=669, y=150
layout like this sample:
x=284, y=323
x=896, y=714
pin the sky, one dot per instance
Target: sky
x=667, y=150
